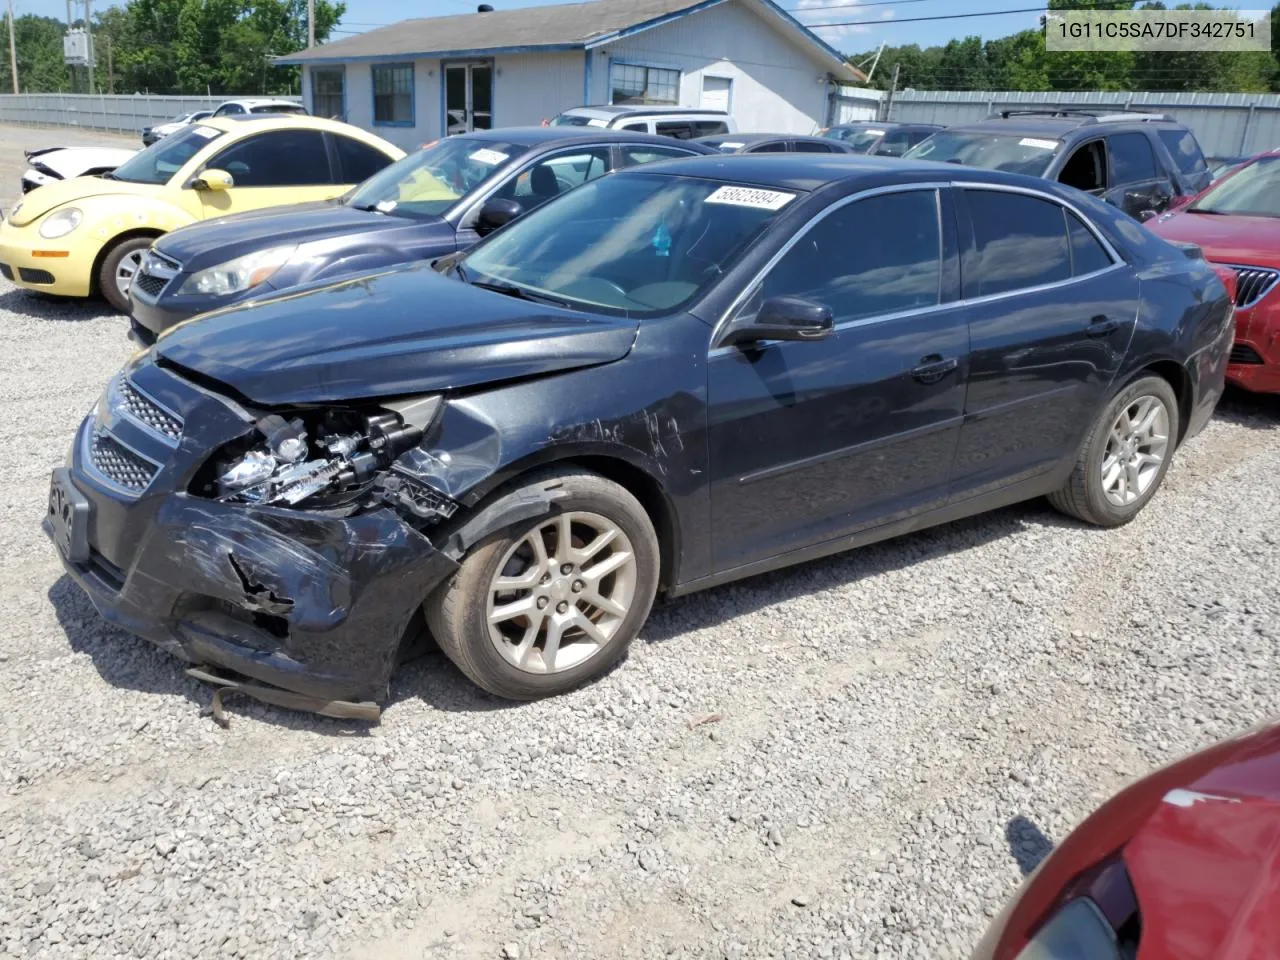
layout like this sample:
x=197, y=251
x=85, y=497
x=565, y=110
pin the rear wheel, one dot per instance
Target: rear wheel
x=546, y=605
x=119, y=268
x=1125, y=457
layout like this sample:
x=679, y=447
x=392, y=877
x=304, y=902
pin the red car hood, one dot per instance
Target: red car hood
x=1225, y=239
x=1206, y=866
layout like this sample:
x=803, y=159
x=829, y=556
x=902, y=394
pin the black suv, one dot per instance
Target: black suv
x=1140, y=162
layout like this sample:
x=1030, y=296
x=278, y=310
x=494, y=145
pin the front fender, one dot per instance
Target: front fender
x=108, y=217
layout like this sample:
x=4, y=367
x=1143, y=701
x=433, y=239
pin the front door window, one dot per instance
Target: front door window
x=468, y=97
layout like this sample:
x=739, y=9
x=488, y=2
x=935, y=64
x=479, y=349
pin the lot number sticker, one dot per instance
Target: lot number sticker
x=751, y=197
x=491, y=157
x=1039, y=144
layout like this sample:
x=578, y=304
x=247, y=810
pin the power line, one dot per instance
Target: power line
x=943, y=16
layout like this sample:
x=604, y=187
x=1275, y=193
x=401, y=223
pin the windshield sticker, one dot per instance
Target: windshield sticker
x=594, y=122
x=491, y=157
x=385, y=206
x=874, y=133
x=731, y=145
x=1038, y=144
x=206, y=133
x=751, y=197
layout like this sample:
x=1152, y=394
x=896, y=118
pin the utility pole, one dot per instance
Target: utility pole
x=13, y=49
x=88, y=36
x=71, y=67
x=311, y=23
x=893, y=89
x=111, y=75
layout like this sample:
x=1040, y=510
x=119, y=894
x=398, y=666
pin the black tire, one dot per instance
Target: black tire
x=1084, y=496
x=457, y=613
x=111, y=263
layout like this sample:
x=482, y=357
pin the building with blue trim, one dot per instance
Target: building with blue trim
x=420, y=79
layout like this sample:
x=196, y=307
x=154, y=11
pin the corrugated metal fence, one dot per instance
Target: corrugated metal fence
x=1226, y=124
x=122, y=114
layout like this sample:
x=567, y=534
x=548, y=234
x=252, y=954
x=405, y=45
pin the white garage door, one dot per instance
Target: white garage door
x=715, y=93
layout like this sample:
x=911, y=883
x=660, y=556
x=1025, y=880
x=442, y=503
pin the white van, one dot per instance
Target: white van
x=679, y=122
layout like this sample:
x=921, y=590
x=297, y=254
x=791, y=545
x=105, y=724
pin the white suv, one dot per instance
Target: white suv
x=679, y=122
x=232, y=108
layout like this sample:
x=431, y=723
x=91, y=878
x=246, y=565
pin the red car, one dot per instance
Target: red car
x=1184, y=865
x=1236, y=222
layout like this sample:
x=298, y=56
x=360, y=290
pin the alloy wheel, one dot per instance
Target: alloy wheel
x=129, y=266
x=561, y=592
x=1136, y=449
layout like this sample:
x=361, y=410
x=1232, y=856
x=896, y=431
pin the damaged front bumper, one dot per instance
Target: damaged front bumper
x=306, y=602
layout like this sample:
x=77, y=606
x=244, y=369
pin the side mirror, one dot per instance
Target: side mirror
x=496, y=213
x=213, y=180
x=1145, y=215
x=784, y=318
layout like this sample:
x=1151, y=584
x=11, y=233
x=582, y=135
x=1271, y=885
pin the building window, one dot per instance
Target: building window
x=393, y=95
x=328, y=92
x=634, y=84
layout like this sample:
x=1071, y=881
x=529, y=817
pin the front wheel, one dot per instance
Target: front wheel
x=1125, y=457
x=119, y=268
x=546, y=605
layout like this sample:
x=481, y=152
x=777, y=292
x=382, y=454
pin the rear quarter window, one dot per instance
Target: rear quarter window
x=1184, y=149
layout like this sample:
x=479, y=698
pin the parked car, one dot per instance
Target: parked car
x=771, y=143
x=680, y=122
x=1236, y=222
x=1179, y=866
x=886, y=139
x=151, y=134
x=51, y=164
x=88, y=235
x=236, y=108
x=668, y=378
x=427, y=205
x=1140, y=162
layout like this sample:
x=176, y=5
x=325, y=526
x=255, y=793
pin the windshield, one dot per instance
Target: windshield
x=1253, y=191
x=576, y=120
x=1008, y=152
x=632, y=244
x=160, y=161
x=429, y=182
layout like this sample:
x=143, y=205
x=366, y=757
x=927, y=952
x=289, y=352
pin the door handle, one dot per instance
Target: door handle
x=1101, y=325
x=933, y=368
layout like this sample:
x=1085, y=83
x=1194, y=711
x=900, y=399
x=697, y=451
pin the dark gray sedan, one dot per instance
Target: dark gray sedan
x=434, y=202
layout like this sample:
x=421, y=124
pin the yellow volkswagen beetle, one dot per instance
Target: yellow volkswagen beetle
x=78, y=237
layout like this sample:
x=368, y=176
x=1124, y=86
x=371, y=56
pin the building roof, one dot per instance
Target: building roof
x=564, y=26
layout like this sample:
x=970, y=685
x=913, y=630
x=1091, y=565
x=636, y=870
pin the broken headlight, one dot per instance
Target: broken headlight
x=333, y=458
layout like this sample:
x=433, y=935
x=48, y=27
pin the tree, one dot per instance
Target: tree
x=1017, y=62
x=40, y=66
x=1221, y=71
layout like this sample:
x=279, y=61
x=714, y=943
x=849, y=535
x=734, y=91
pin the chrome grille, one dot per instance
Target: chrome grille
x=1252, y=283
x=140, y=408
x=119, y=464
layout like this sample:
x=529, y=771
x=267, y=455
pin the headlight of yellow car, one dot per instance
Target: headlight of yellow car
x=239, y=274
x=60, y=223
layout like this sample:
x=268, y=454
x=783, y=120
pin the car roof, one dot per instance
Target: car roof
x=813, y=171
x=279, y=121
x=884, y=125
x=260, y=101
x=1060, y=124
x=538, y=136
x=642, y=110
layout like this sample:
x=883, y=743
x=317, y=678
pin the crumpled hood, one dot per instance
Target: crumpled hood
x=43, y=199
x=213, y=241
x=402, y=332
x=73, y=161
x=1225, y=239
x=1206, y=866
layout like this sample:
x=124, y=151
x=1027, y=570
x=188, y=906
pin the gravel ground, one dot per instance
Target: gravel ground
x=901, y=732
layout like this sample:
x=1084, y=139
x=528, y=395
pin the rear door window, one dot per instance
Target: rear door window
x=771, y=146
x=680, y=129
x=1132, y=159
x=709, y=128
x=1021, y=242
x=810, y=146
